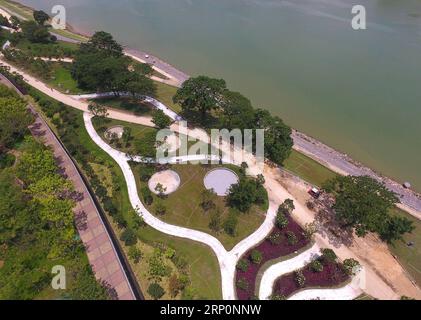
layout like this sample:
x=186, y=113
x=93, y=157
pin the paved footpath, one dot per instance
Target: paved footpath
x=101, y=252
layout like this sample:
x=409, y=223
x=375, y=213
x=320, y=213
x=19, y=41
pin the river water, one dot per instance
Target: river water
x=357, y=91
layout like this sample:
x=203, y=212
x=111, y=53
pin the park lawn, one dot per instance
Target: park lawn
x=62, y=80
x=184, y=209
x=128, y=104
x=17, y=8
x=409, y=257
x=203, y=265
x=165, y=93
x=55, y=50
x=308, y=169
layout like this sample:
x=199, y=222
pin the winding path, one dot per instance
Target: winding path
x=377, y=285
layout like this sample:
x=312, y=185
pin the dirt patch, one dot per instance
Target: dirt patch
x=169, y=179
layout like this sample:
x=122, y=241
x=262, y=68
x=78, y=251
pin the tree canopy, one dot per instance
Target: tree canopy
x=200, y=96
x=41, y=17
x=208, y=102
x=365, y=205
x=14, y=120
x=100, y=65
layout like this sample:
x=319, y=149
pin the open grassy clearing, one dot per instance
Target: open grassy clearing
x=125, y=103
x=184, y=206
x=165, y=93
x=308, y=169
x=409, y=256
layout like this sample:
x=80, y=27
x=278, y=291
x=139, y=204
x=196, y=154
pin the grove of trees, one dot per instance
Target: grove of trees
x=100, y=65
x=365, y=205
x=209, y=103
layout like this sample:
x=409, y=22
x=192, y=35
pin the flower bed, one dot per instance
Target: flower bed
x=332, y=275
x=246, y=280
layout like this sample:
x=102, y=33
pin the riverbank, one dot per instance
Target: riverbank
x=327, y=156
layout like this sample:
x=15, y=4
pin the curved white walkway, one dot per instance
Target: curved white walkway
x=348, y=292
x=284, y=267
x=160, y=106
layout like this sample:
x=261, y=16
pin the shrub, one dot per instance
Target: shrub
x=135, y=254
x=300, y=279
x=310, y=205
x=175, y=285
x=291, y=237
x=243, y=265
x=160, y=208
x=128, y=237
x=328, y=255
x=281, y=220
x=256, y=256
x=146, y=172
x=215, y=221
x=230, y=224
x=351, y=266
x=156, y=291
x=275, y=238
x=146, y=195
x=242, y=284
x=316, y=266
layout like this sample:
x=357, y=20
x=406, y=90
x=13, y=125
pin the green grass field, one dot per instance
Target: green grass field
x=409, y=257
x=308, y=169
x=202, y=263
x=165, y=93
x=63, y=81
x=184, y=209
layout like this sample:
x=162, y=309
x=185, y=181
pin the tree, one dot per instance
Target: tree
x=215, y=221
x=160, y=208
x=364, y=204
x=243, y=265
x=287, y=207
x=128, y=237
x=300, y=279
x=98, y=111
x=230, y=224
x=144, y=68
x=208, y=197
x=127, y=135
x=15, y=22
x=246, y=193
x=4, y=21
x=200, y=96
x=316, y=266
x=104, y=42
x=292, y=238
x=41, y=17
x=146, y=195
x=160, y=119
x=351, y=266
x=14, y=120
x=395, y=228
x=237, y=112
x=160, y=189
x=278, y=141
x=281, y=220
x=256, y=256
x=328, y=255
x=135, y=254
x=35, y=32
x=156, y=291
x=175, y=285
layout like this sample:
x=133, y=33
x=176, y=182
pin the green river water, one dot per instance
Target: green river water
x=358, y=91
